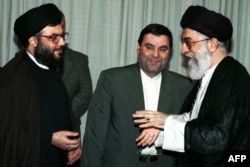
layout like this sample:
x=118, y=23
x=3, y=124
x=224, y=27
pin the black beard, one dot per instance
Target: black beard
x=46, y=57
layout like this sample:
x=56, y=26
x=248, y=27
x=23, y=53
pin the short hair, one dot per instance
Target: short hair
x=156, y=29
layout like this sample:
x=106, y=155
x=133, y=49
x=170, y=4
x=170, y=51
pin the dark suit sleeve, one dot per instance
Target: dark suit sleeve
x=80, y=101
x=97, y=124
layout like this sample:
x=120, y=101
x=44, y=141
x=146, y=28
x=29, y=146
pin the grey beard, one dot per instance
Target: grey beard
x=198, y=66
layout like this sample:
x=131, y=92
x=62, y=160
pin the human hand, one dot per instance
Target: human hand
x=147, y=137
x=74, y=155
x=66, y=140
x=147, y=119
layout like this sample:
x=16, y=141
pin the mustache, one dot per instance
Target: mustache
x=61, y=48
x=189, y=55
x=154, y=59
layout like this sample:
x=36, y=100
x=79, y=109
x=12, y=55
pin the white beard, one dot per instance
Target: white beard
x=198, y=64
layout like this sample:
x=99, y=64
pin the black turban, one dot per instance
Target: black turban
x=207, y=22
x=35, y=19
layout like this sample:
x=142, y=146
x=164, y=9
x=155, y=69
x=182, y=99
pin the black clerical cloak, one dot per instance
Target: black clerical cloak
x=19, y=115
x=223, y=123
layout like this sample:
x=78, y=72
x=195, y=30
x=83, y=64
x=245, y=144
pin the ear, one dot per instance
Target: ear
x=33, y=41
x=137, y=49
x=213, y=44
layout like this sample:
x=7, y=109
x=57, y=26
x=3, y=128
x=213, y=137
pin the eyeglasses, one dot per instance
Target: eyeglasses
x=55, y=38
x=189, y=43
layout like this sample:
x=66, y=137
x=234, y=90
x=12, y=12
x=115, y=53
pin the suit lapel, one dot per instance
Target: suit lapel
x=165, y=94
x=136, y=91
x=67, y=66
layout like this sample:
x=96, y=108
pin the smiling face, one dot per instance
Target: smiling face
x=194, y=48
x=153, y=53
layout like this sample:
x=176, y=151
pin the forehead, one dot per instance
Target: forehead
x=57, y=29
x=156, y=39
x=188, y=33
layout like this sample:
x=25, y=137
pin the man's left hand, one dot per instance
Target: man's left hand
x=147, y=137
x=74, y=155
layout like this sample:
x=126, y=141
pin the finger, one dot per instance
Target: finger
x=138, y=115
x=141, y=141
x=73, y=140
x=146, y=141
x=140, y=137
x=141, y=113
x=145, y=125
x=140, y=121
x=73, y=146
x=144, y=138
x=72, y=135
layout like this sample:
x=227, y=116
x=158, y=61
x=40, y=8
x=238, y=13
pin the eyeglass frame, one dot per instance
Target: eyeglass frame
x=189, y=43
x=55, y=38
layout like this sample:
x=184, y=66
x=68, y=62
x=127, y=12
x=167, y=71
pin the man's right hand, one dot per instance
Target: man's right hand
x=66, y=140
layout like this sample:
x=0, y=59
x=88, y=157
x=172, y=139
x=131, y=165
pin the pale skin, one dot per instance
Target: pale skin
x=153, y=54
x=152, y=119
x=149, y=120
x=60, y=138
x=216, y=53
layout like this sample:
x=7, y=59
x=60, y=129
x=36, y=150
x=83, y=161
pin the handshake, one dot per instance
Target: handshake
x=151, y=122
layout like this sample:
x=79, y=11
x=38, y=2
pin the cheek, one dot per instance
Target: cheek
x=142, y=54
x=165, y=56
x=141, y=58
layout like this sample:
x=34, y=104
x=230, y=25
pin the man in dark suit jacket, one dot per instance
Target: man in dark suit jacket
x=77, y=80
x=110, y=136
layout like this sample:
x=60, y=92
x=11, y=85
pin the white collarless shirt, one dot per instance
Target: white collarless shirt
x=151, y=92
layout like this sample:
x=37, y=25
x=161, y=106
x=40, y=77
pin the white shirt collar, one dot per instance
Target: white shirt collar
x=210, y=71
x=37, y=63
x=146, y=77
x=202, y=91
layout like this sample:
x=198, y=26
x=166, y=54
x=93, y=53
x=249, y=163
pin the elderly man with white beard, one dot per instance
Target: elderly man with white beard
x=215, y=117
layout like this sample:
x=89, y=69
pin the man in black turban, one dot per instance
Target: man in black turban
x=207, y=22
x=36, y=125
x=215, y=115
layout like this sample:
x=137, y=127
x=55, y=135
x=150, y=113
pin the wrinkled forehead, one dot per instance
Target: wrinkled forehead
x=190, y=34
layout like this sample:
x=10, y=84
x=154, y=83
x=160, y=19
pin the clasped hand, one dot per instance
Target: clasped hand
x=151, y=122
x=68, y=140
x=148, y=119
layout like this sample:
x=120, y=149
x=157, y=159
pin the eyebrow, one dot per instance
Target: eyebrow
x=149, y=44
x=186, y=38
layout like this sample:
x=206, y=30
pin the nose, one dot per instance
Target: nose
x=61, y=41
x=184, y=48
x=155, y=53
